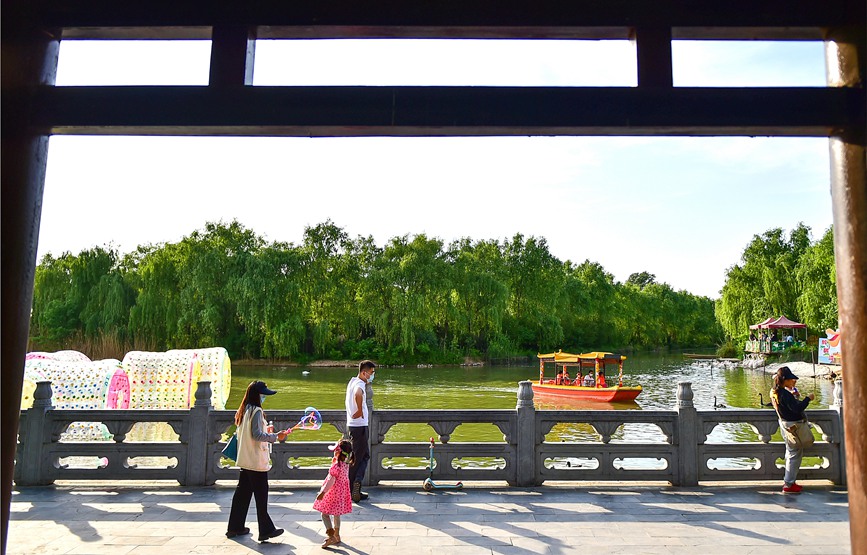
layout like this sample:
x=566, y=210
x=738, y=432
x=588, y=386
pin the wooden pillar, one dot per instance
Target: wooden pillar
x=653, y=50
x=233, y=49
x=29, y=61
x=846, y=56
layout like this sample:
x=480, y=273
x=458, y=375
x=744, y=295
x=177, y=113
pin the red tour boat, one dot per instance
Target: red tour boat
x=584, y=376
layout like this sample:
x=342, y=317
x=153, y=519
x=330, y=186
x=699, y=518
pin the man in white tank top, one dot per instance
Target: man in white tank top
x=357, y=425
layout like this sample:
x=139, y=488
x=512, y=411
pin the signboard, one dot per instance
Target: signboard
x=829, y=348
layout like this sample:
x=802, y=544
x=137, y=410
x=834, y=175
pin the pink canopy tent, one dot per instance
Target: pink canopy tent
x=762, y=323
x=782, y=322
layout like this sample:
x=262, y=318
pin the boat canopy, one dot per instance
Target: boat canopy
x=568, y=358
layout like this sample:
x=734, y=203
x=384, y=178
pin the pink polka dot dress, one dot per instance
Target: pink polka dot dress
x=337, y=500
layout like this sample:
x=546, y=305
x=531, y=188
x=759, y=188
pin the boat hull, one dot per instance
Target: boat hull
x=614, y=394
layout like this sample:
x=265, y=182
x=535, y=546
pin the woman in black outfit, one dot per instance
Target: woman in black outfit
x=790, y=411
x=255, y=437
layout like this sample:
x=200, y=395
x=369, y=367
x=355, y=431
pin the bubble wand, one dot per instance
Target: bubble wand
x=311, y=420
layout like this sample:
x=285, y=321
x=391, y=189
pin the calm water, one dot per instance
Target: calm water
x=496, y=388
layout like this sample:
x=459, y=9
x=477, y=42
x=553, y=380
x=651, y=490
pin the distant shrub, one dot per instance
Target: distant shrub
x=729, y=350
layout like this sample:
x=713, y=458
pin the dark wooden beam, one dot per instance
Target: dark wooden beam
x=795, y=19
x=444, y=111
x=233, y=50
x=653, y=49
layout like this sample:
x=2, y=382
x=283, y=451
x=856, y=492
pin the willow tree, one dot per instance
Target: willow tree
x=535, y=279
x=765, y=283
x=587, y=306
x=326, y=283
x=211, y=261
x=479, y=295
x=156, y=281
x=269, y=301
x=84, y=297
x=412, y=278
x=817, y=279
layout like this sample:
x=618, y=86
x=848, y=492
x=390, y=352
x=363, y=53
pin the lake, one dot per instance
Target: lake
x=495, y=387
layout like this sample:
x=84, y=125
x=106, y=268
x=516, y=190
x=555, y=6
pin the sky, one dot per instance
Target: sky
x=682, y=209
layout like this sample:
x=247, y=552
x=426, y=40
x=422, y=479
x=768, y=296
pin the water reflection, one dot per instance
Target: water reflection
x=546, y=401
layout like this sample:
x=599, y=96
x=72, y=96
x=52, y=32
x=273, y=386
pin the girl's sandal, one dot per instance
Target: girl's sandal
x=329, y=540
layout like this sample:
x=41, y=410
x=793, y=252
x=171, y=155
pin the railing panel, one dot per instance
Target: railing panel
x=683, y=454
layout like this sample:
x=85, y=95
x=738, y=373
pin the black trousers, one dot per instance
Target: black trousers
x=251, y=483
x=360, y=453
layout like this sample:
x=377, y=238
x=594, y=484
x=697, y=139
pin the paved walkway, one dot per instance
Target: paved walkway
x=558, y=519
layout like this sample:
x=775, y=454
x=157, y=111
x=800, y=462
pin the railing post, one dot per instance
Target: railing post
x=687, y=437
x=838, y=407
x=525, y=437
x=198, y=448
x=33, y=431
x=371, y=476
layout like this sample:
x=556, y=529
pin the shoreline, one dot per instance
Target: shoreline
x=801, y=369
x=292, y=364
x=805, y=369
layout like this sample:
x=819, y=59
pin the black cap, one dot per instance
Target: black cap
x=786, y=374
x=262, y=389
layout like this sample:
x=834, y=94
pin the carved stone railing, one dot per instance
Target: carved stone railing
x=679, y=451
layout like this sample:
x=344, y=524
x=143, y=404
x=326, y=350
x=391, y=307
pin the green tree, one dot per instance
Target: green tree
x=817, y=280
x=479, y=295
x=587, y=306
x=535, y=279
x=334, y=295
x=84, y=297
x=325, y=280
x=641, y=279
x=269, y=301
x=765, y=284
x=156, y=281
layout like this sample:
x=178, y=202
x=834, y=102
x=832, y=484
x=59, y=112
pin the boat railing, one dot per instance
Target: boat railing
x=682, y=446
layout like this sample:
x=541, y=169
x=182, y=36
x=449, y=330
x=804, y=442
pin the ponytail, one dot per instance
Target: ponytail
x=778, y=378
x=251, y=397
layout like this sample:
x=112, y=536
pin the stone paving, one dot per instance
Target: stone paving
x=593, y=519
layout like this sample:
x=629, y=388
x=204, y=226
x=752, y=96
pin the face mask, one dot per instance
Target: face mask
x=262, y=399
x=370, y=379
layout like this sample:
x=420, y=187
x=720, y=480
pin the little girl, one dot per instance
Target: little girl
x=334, y=498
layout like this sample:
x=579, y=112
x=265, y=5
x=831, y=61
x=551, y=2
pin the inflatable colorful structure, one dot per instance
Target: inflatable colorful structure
x=144, y=380
x=168, y=380
x=76, y=381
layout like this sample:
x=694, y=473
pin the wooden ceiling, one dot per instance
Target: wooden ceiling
x=654, y=107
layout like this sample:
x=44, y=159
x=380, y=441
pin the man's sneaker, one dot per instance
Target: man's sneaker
x=794, y=488
x=273, y=534
x=357, y=494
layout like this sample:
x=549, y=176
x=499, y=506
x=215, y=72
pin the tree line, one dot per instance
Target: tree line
x=781, y=275
x=334, y=297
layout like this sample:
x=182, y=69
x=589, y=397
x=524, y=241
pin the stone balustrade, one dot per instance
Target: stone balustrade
x=680, y=450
